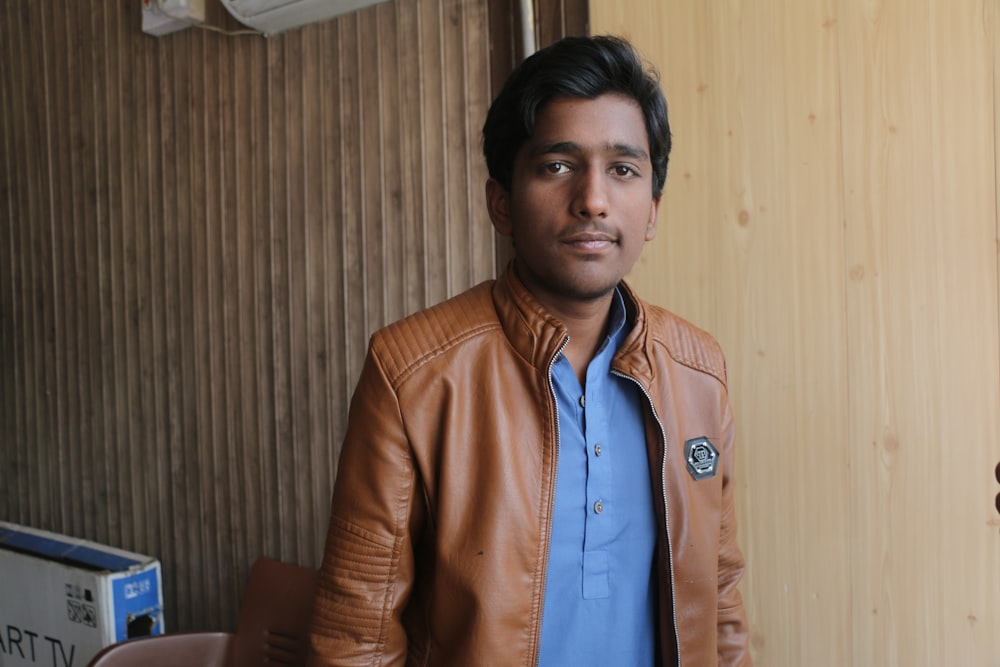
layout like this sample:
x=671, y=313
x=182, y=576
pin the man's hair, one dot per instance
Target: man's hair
x=580, y=67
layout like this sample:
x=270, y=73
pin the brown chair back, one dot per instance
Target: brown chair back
x=274, y=615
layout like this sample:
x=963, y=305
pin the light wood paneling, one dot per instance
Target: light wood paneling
x=922, y=307
x=831, y=215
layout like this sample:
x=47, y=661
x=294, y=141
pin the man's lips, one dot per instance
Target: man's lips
x=590, y=240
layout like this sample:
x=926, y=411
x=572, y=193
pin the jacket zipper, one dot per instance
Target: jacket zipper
x=552, y=498
x=666, y=508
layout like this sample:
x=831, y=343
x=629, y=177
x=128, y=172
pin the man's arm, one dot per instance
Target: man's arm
x=368, y=569
x=734, y=631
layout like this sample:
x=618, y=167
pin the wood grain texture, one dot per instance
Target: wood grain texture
x=923, y=306
x=198, y=234
x=831, y=215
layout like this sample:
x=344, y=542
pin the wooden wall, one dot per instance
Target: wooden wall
x=198, y=233
x=831, y=215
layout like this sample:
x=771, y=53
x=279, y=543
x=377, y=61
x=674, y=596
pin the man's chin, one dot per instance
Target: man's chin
x=589, y=292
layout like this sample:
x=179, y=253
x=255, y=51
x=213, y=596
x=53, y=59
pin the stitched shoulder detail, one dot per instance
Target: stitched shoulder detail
x=686, y=343
x=408, y=344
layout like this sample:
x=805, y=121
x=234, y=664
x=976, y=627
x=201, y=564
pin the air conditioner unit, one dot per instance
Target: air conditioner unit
x=274, y=16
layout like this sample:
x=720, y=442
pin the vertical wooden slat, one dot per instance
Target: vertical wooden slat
x=142, y=388
x=259, y=487
x=232, y=553
x=66, y=326
x=231, y=542
x=13, y=389
x=369, y=156
x=178, y=247
x=15, y=394
x=223, y=312
x=85, y=277
x=455, y=131
x=202, y=307
x=316, y=378
x=152, y=275
x=132, y=446
x=287, y=457
x=481, y=250
x=411, y=201
x=392, y=217
x=75, y=283
x=198, y=377
x=576, y=17
x=115, y=334
x=164, y=293
x=503, y=51
x=432, y=164
x=49, y=442
x=354, y=154
x=10, y=422
x=45, y=417
x=331, y=284
x=94, y=444
x=560, y=18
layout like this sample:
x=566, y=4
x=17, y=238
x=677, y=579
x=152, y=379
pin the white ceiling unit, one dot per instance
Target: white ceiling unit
x=274, y=16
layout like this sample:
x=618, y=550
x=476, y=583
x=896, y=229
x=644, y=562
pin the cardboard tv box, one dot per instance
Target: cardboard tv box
x=63, y=599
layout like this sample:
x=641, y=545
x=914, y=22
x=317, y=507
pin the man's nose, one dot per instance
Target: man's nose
x=591, y=195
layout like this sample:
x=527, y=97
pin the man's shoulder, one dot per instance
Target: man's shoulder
x=414, y=340
x=686, y=343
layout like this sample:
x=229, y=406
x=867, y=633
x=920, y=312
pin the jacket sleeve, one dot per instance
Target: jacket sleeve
x=368, y=567
x=733, y=629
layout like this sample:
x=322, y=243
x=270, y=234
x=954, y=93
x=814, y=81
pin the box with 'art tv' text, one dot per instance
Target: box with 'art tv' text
x=63, y=599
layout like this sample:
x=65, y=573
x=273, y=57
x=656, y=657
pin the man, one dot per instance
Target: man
x=539, y=470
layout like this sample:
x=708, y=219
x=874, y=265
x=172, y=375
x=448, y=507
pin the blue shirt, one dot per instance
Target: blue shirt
x=600, y=589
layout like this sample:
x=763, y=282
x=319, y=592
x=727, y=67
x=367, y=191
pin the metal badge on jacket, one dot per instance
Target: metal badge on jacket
x=702, y=457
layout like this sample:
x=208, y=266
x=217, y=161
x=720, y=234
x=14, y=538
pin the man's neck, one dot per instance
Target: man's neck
x=587, y=325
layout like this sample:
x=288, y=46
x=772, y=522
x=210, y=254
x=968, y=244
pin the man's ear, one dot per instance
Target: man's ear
x=498, y=205
x=654, y=209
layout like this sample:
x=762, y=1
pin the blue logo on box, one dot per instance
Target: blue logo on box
x=137, y=605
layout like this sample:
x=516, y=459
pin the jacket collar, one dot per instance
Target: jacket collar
x=531, y=330
x=633, y=358
x=537, y=335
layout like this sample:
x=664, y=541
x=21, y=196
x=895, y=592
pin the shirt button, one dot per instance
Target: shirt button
x=597, y=450
x=598, y=507
x=583, y=401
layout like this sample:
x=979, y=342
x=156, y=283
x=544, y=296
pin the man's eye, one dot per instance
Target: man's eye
x=622, y=170
x=556, y=167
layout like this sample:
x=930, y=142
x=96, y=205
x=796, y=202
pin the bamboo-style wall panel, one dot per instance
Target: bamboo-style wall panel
x=198, y=233
x=831, y=215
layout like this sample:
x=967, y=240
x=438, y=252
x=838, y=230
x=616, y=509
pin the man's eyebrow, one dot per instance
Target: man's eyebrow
x=555, y=147
x=628, y=150
x=570, y=147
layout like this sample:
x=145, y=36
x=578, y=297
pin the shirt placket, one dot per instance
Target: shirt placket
x=600, y=522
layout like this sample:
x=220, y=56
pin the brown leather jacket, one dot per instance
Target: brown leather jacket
x=438, y=537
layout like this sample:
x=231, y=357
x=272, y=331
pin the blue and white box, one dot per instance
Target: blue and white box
x=63, y=599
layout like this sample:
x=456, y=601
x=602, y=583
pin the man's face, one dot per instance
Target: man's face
x=580, y=206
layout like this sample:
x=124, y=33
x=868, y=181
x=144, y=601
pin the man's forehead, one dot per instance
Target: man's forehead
x=611, y=123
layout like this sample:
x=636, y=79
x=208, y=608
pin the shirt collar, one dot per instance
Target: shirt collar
x=617, y=319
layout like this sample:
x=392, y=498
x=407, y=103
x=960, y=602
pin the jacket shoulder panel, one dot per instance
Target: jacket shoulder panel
x=686, y=343
x=406, y=345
